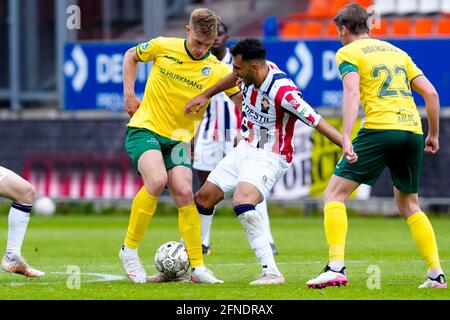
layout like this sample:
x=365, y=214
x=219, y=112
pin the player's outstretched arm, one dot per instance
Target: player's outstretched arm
x=424, y=87
x=130, y=64
x=200, y=101
x=330, y=132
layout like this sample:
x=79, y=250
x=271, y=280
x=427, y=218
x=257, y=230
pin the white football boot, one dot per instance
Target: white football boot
x=268, y=277
x=204, y=275
x=133, y=267
x=438, y=283
x=15, y=263
x=328, y=278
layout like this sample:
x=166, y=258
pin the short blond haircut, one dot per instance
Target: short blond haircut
x=205, y=22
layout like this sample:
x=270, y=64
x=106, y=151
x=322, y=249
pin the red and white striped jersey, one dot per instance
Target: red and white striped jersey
x=269, y=113
x=222, y=118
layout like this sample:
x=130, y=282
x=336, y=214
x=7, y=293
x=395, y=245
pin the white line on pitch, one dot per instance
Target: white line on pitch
x=101, y=277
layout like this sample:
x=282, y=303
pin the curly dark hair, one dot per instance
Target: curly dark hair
x=250, y=49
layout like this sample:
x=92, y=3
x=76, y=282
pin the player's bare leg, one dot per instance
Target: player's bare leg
x=245, y=197
x=151, y=166
x=423, y=234
x=19, y=190
x=335, y=223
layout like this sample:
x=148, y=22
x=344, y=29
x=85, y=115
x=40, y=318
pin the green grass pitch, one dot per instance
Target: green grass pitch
x=91, y=243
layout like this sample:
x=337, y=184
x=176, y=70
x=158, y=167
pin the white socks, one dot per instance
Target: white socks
x=258, y=239
x=205, y=222
x=261, y=208
x=199, y=269
x=129, y=251
x=434, y=273
x=336, y=265
x=19, y=216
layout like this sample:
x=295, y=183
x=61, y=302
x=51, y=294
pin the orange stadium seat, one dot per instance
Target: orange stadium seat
x=382, y=30
x=291, y=29
x=318, y=9
x=443, y=28
x=423, y=27
x=313, y=29
x=337, y=5
x=332, y=30
x=364, y=3
x=401, y=27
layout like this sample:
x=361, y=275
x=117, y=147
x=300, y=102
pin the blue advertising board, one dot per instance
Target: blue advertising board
x=93, y=76
x=312, y=66
x=93, y=72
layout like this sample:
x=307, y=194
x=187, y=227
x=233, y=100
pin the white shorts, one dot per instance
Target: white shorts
x=4, y=172
x=207, y=153
x=246, y=163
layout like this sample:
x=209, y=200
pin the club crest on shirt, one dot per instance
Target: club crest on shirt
x=265, y=105
x=206, y=71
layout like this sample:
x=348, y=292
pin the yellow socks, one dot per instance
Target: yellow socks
x=189, y=227
x=423, y=234
x=142, y=210
x=335, y=223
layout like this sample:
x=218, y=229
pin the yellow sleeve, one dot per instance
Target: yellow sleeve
x=231, y=92
x=146, y=51
x=412, y=70
x=346, y=62
x=223, y=71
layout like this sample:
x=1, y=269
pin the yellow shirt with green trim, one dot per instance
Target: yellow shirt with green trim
x=385, y=74
x=175, y=78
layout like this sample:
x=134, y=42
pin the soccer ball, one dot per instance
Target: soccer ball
x=172, y=259
x=44, y=206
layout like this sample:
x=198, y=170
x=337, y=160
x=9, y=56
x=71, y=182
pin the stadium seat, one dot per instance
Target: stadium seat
x=313, y=29
x=291, y=29
x=401, y=27
x=332, y=30
x=382, y=30
x=320, y=9
x=443, y=28
x=316, y=9
x=428, y=7
x=270, y=26
x=386, y=7
x=407, y=7
x=364, y=3
x=337, y=5
x=423, y=27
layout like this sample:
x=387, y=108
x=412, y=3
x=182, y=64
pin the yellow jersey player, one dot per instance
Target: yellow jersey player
x=381, y=76
x=158, y=134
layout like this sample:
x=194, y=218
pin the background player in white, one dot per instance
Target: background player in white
x=272, y=104
x=216, y=137
x=21, y=192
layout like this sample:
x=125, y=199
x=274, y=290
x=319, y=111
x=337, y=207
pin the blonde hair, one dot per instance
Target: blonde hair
x=205, y=22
